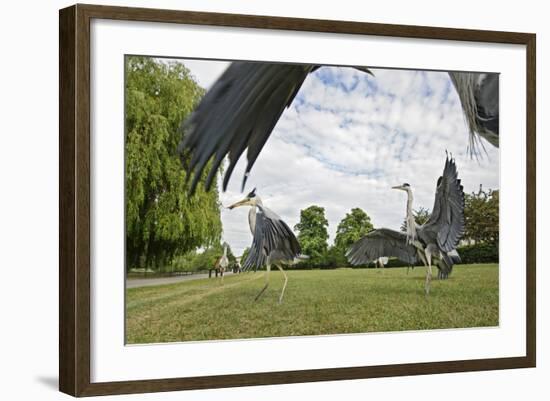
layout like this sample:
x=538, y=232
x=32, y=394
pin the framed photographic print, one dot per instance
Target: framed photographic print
x=250, y=200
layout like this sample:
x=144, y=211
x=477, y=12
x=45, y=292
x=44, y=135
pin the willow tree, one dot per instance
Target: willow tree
x=161, y=220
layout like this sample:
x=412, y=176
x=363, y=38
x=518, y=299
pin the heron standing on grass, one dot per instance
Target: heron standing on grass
x=224, y=262
x=273, y=241
x=433, y=241
x=243, y=106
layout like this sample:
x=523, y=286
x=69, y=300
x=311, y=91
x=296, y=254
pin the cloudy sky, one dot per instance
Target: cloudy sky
x=347, y=138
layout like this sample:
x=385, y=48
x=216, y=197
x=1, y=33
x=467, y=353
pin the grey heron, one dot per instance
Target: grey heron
x=223, y=262
x=273, y=242
x=243, y=106
x=433, y=241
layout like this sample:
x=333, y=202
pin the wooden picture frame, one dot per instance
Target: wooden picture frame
x=74, y=199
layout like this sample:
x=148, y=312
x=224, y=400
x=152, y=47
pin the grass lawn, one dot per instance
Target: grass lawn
x=316, y=302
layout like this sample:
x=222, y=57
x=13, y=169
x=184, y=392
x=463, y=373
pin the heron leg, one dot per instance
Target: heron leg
x=268, y=269
x=284, y=285
x=429, y=272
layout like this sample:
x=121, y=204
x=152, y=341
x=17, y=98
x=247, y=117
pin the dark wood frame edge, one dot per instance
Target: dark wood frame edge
x=74, y=199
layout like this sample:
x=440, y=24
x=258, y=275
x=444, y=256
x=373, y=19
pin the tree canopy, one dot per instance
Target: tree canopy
x=313, y=234
x=355, y=225
x=481, y=211
x=161, y=220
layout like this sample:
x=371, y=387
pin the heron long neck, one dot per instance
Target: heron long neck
x=252, y=219
x=411, y=224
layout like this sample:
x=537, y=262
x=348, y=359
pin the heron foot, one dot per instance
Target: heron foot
x=427, y=286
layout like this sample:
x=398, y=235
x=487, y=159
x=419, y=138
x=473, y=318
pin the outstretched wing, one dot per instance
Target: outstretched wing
x=238, y=112
x=379, y=243
x=446, y=222
x=479, y=97
x=271, y=235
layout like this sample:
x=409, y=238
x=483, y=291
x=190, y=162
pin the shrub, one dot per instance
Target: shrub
x=479, y=253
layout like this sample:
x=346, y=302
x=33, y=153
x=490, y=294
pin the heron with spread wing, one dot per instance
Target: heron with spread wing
x=433, y=242
x=273, y=241
x=243, y=106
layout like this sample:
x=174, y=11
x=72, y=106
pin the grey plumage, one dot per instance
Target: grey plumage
x=446, y=263
x=379, y=243
x=445, y=226
x=272, y=238
x=239, y=112
x=273, y=242
x=479, y=97
x=243, y=106
x=437, y=238
x=390, y=243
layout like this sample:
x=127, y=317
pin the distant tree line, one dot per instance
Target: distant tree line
x=313, y=236
x=202, y=260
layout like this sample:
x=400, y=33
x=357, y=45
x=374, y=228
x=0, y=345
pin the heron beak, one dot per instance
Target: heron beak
x=239, y=203
x=397, y=187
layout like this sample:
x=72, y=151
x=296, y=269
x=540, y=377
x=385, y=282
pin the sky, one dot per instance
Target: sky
x=346, y=139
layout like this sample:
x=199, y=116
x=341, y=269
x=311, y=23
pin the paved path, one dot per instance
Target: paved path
x=145, y=282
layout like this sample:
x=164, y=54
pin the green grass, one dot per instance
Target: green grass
x=316, y=302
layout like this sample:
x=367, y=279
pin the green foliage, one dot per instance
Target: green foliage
x=354, y=226
x=205, y=260
x=185, y=262
x=421, y=215
x=335, y=257
x=313, y=234
x=162, y=222
x=482, y=216
x=479, y=253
